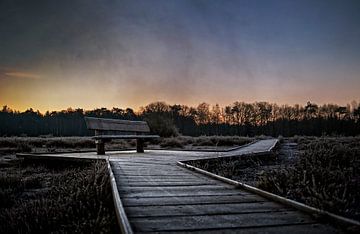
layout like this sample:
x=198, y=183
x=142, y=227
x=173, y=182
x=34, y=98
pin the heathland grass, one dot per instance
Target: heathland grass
x=203, y=142
x=325, y=173
x=60, y=144
x=58, y=197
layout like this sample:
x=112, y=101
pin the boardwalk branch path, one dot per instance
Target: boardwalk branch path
x=159, y=196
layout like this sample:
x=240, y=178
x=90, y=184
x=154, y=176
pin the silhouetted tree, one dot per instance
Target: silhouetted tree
x=239, y=118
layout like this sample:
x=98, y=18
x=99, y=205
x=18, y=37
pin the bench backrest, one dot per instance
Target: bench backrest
x=102, y=126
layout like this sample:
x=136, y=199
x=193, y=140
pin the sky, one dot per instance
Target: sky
x=115, y=53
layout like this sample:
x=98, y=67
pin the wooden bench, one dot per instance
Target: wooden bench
x=108, y=129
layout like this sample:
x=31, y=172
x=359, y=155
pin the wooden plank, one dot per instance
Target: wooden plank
x=126, y=185
x=154, y=160
x=142, y=163
x=136, y=179
x=169, y=193
x=190, y=200
x=277, y=229
x=162, y=177
x=150, y=173
x=152, y=169
x=133, y=165
x=175, y=223
x=116, y=124
x=125, y=136
x=125, y=176
x=168, y=160
x=160, y=182
x=119, y=174
x=166, y=189
x=156, y=169
x=133, y=188
x=204, y=209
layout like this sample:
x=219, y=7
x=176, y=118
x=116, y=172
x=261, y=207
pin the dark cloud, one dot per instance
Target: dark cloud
x=183, y=50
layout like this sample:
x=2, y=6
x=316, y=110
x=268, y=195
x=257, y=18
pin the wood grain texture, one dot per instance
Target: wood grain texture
x=108, y=129
x=277, y=229
x=204, y=209
x=192, y=200
x=125, y=136
x=200, y=222
x=116, y=125
x=159, y=196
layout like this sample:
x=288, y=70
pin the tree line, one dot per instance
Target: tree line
x=239, y=118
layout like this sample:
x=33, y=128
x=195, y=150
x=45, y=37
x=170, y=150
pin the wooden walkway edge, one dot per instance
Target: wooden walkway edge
x=119, y=209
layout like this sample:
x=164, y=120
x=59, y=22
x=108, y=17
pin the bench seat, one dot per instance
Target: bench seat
x=125, y=137
x=108, y=129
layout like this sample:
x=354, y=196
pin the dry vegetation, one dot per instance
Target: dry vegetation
x=327, y=175
x=44, y=144
x=324, y=174
x=62, y=144
x=203, y=142
x=10, y=145
x=59, y=198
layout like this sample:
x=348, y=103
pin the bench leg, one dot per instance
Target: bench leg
x=140, y=145
x=100, y=147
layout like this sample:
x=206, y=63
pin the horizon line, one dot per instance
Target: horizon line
x=138, y=109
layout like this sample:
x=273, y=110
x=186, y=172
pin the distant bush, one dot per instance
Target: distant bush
x=46, y=136
x=221, y=141
x=262, y=137
x=161, y=125
x=187, y=140
x=172, y=143
x=203, y=141
x=8, y=142
x=23, y=147
x=70, y=143
x=233, y=141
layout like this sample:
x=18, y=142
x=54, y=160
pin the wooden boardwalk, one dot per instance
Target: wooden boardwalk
x=159, y=196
